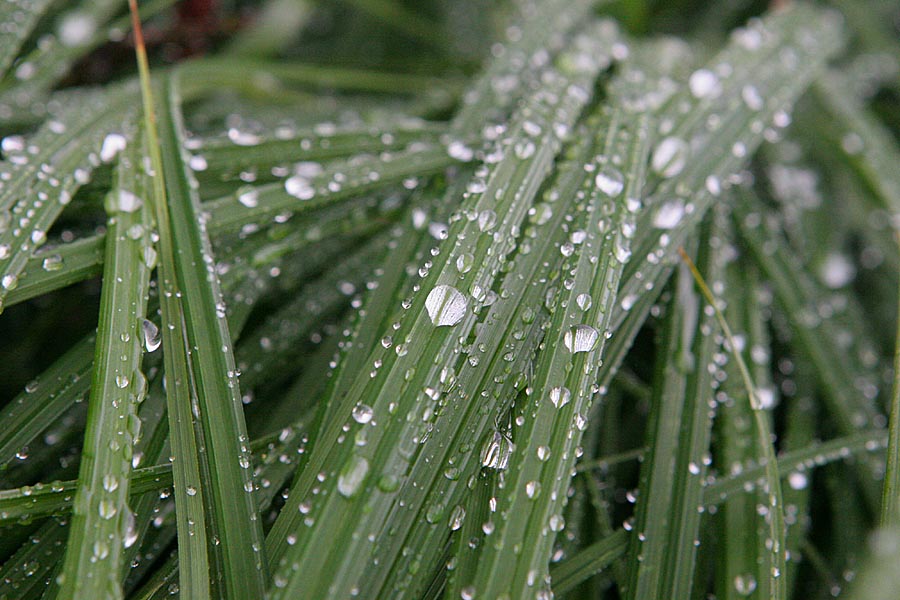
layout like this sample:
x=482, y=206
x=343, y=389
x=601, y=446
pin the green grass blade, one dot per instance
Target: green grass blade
x=101, y=524
x=25, y=14
x=890, y=497
x=588, y=562
x=432, y=328
x=237, y=559
x=563, y=387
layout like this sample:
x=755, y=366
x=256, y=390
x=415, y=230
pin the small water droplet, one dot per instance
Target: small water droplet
x=249, y=197
x=745, y=584
x=362, y=413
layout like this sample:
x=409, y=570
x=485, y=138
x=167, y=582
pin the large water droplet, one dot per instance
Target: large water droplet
x=351, y=477
x=669, y=157
x=703, y=83
x=151, y=335
x=446, y=305
x=610, y=181
x=581, y=338
x=128, y=201
x=669, y=214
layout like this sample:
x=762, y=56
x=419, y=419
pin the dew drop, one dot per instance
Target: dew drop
x=446, y=305
x=362, y=413
x=127, y=201
x=299, y=187
x=151, y=336
x=669, y=157
x=249, y=197
x=610, y=181
x=703, y=83
x=581, y=338
x=352, y=475
x=745, y=584
x=669, y=214
x=584, y=301
x=560, y=396
x=111, y=146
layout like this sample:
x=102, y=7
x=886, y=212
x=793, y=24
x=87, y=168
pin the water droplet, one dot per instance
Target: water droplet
x=745, y=584
x=54, y=262
x=446, y=305
x=299, y=187
x=249, y=197
x=362, y=413
x=110, y=483
x=798, y=481
x=703, y=83
x=610, y=181
x=532, y=489
x=107, y=509
x=486, y=220
x=457, y=517
x=111, y=146
x=352, y=475
x=557, y=523
x=837, y=271
x=752, y=97
x=584, y=301
x=76, y=28
x=524, y=149
x=581, y=338
x=669, y=157
x=150, y=332
x=669, y=214
x=128, y=202
x=560, y=396
x=9, y=281
x=621, y=250
x=460, y=151
x=496, y=452
x=121, y=381
x=464, y=262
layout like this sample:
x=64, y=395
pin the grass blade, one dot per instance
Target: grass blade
x=102, y=521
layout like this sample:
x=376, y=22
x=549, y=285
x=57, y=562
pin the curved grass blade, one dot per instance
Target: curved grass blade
x=25, y=14
x=45, y=399
x=773, y=508
x=45, y=170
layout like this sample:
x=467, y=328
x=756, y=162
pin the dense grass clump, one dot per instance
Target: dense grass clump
x=449, y=299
